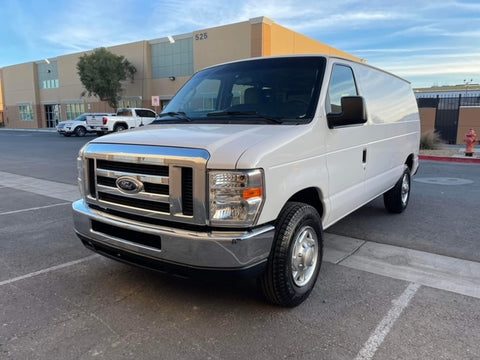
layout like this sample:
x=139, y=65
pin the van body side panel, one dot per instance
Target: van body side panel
x=393, y=127
x=344, y=153
x=366, y=160
x=345, y=169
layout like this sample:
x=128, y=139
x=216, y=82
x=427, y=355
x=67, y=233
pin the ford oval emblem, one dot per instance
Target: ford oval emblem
x=129, y=185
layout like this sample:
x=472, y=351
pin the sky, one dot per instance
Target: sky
x=429, y=43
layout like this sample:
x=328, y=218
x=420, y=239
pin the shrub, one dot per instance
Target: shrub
x=430, y=140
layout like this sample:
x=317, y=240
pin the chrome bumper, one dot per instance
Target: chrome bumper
x=214, y=250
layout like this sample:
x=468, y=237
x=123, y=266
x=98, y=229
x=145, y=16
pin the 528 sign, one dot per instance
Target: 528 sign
x=201, y=36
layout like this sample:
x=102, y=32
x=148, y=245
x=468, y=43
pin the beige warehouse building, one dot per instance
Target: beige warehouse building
x=40, y=94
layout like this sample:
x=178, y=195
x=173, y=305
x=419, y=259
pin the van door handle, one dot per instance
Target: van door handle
x=364, y=156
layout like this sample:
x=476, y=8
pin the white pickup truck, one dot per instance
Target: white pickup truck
x=125, y=118
x=247, y=165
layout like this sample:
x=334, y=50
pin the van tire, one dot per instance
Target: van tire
x=289, y=278
x=396, y=199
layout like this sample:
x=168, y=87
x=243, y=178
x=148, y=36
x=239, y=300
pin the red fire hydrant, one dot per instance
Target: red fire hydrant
x=470, y=139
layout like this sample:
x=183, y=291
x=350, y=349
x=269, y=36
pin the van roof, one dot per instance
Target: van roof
x=327, y=56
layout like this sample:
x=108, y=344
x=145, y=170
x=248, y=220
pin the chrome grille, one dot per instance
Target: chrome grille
x=172, y=179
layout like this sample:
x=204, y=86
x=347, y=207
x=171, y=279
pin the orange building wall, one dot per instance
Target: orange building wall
x=469, y=118
x=279, y=40
x=427, y=119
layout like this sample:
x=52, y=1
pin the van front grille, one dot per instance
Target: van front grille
x=134, y=168
x=160, y=185
x=133, y=202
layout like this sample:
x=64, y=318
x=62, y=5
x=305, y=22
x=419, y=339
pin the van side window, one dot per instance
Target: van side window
x=342, y=84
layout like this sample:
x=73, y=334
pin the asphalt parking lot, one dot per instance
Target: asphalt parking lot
x=391, y=287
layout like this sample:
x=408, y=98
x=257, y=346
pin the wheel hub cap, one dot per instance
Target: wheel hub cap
x=405, y=189
x=304, y=256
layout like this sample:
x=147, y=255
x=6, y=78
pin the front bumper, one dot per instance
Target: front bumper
x=65, y=132
x=214, y=250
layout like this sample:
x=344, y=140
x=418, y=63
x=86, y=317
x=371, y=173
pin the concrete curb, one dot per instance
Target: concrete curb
x=36, y=130
x=464, y=160
x=428, y=269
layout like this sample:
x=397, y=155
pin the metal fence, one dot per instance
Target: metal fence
x=448, y=110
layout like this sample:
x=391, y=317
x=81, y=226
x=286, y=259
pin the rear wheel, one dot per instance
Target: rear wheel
x=80, y=131
x=119, y=127
x=296, y=256
x=396, y=199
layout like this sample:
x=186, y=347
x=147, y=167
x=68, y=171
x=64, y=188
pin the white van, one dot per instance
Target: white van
x=247, y=165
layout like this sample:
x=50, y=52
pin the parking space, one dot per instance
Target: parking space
x=372, y=301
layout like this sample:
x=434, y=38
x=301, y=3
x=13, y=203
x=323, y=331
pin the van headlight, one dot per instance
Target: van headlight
x=81, y=170
x=235, y=197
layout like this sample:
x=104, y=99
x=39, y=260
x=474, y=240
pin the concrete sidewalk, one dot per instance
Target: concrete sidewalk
x=450, y=153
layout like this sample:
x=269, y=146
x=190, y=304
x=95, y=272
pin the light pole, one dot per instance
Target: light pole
x=467, y=82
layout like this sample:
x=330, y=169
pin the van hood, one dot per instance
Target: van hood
x=224, y=142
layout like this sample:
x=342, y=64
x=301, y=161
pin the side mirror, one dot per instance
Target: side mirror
x=353, y=112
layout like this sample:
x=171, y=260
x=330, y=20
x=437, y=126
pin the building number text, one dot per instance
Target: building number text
x=201, y=36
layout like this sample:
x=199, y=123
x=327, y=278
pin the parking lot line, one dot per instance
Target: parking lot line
x=34, y=208
x=47, y=270
x=383, y=328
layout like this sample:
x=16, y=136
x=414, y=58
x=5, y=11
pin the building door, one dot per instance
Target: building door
x=53, y=115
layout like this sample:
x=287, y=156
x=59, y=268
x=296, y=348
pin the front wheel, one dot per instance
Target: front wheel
x=80, y=131
x=296, y=256
x=396, y=199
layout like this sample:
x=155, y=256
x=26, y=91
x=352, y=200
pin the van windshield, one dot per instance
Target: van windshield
x=270, y=90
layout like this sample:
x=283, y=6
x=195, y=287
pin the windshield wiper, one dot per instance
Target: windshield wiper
x=245, y=113
x=177, y=115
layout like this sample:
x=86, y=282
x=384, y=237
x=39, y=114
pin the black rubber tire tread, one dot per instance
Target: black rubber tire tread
x=392, y=199
x=276, y=283
x=119, y=127
x=80, y=131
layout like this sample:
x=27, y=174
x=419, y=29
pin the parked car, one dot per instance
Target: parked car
x=125, y=118
x=77, y=126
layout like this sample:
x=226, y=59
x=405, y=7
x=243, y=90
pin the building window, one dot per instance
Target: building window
x=50, y=84
x=26, y=112
x=74, y=110
x=48, y=75
x=172, y=59
x=130, y=102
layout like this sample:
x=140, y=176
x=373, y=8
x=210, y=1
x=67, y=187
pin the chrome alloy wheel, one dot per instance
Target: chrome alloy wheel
x=304, y=256
x=405, y=189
